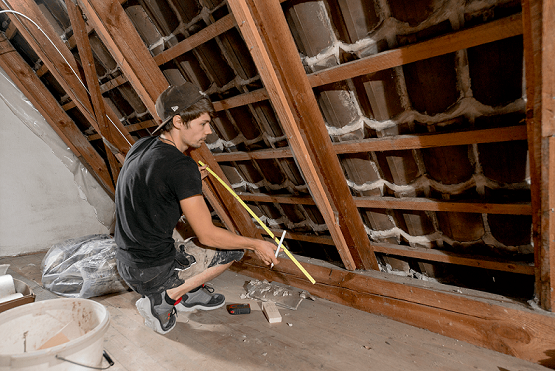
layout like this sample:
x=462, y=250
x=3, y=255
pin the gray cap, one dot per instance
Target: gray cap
x=176, y=99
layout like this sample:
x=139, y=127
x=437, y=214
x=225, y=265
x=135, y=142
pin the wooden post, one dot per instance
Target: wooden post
x=539, y=54
x=291, y=94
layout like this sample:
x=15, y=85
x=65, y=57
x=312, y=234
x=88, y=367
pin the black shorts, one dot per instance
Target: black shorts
x=190, y=260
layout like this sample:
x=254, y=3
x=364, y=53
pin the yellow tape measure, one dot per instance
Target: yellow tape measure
x=259, y=222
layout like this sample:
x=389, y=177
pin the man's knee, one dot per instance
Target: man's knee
x=226, y=257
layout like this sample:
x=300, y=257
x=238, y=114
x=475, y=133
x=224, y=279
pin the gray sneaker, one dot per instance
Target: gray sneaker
x=202, y=297
x=159, y=315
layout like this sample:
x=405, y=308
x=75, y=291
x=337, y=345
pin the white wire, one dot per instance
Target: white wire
x=58, y=50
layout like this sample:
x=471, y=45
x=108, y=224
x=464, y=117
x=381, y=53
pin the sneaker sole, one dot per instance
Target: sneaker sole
x=181, y=308
x=143, y=306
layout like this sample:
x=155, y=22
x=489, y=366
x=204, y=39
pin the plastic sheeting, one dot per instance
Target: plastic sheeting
x=82, y=267
x=88, y=187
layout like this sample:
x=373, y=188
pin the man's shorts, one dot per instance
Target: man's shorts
x=190, y=260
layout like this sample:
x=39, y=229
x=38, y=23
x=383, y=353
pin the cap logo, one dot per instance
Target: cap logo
x=175, y=108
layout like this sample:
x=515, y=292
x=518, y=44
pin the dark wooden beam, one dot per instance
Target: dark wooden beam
x=28, y=82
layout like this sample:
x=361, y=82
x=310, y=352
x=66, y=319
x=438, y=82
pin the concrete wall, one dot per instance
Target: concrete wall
x=40, y=203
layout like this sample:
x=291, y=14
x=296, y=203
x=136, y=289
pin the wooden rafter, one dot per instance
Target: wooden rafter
x=81, y=37
x=61, y=63
x=296, y=106
x=27, y=81
x=122, y=39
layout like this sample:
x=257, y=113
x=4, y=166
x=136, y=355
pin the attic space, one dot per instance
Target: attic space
x=406, y=147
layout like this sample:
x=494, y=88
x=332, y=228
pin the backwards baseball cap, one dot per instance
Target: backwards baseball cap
x=176, y=99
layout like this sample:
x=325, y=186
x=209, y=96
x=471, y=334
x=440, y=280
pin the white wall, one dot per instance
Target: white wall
x=40, y=203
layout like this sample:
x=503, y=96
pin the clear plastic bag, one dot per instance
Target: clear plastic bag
x=82, y=267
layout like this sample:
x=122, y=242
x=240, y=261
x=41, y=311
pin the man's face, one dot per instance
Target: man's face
x=197, y=131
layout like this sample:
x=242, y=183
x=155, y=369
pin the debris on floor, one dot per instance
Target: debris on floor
x=283, y=295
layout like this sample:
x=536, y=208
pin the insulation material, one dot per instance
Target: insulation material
x=88, y=187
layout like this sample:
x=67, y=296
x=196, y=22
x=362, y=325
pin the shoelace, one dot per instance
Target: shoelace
x=173, y=311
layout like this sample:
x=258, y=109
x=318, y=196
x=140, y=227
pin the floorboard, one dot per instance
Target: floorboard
x=320, y=335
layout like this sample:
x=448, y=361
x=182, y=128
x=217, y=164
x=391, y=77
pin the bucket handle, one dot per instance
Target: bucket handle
x=104, y=353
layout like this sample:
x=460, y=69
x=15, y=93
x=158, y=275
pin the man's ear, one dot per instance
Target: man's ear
x=177, y=122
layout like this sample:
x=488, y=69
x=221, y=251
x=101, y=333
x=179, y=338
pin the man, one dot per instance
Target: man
x=157, y=184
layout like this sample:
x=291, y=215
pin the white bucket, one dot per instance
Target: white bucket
x=25, y=329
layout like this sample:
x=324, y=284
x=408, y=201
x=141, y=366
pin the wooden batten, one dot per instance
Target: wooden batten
x=489, y=32
x=398, y=142
x=208, y=33
x=28, y=82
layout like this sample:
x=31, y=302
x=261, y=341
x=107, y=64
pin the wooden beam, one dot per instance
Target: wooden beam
x=398, y=142
x=62, y=66
x=87, y=62
x=507, y=328
x=220, y=26
x=424, y=204
x=254, y=155
x=489, y=32
x=11, y=31
x=23, y=76
x=433, y=255
x=532, y=36
x=241, y=100
x=114, y=83
x=403, y=142
x=291, y=94
x=405, y=203
x=548, y=131
x=118, y=34
x=122, y=39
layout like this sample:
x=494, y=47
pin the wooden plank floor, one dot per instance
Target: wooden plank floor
x=320, y=335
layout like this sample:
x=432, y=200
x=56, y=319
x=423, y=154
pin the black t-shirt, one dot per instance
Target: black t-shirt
x=152, y=181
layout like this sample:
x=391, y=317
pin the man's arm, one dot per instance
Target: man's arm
x=198, y=216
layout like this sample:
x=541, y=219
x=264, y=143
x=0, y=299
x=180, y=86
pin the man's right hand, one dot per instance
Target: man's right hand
x=266, y=251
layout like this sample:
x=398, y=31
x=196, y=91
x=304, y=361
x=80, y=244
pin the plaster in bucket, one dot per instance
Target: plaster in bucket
x=77, y=326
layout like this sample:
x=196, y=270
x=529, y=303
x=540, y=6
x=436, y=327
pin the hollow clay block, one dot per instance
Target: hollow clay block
x=271, y=312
